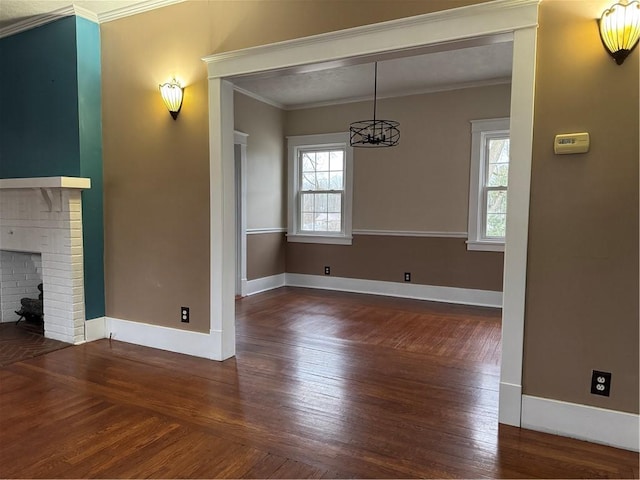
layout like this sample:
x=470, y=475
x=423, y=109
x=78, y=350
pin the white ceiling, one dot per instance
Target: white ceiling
x=468, y=63
x=403, y=75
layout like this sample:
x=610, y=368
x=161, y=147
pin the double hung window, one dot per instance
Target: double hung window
x=320, y=180
x=488, y=184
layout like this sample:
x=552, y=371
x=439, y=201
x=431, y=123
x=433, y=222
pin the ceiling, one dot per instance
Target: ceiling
x=397, y=76
x=16, y=11
x=445, y=67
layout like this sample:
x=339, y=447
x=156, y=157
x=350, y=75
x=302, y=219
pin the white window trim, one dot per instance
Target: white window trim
x=481, y=129
x=295, y=143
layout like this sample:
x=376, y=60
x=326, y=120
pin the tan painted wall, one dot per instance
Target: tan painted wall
x=266, y=170
x=431, y=261
x=265, y=255
x=582, y=282
x=156, y=171
x=423, y=183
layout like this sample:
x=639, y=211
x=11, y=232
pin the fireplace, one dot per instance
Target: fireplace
x=44, y=216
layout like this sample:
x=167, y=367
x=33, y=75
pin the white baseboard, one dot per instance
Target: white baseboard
x=464, y=296
x=598, y=425
x=165, y=338
x=265, y=283
x=95, y=329
x=510, y=404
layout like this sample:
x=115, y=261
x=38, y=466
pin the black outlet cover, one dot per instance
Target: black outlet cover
x=184, y=314
x=601, y=383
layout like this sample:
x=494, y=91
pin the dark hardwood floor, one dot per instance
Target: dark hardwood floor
x=324, y=385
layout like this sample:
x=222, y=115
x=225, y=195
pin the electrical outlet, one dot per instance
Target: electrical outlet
x=601, y=383
x=327, y=270
x=184, y=314
x=407, y=276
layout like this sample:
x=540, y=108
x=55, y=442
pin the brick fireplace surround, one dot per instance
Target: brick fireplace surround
x=44, y=215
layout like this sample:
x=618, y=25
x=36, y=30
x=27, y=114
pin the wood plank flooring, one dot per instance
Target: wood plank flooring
x=324, y=385
x=22, y=341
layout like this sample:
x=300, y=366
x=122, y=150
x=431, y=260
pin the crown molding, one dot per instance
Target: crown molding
x=39, y=20
x=260, y=98
x=71, y=10
x=135, y=9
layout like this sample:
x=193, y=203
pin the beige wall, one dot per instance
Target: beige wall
x=582, y=282
x=431, y=261
x=423, y=183
x=266, y=170
x=265, y=255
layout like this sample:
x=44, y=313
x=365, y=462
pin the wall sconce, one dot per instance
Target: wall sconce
x=172, y=95
x=620, y=29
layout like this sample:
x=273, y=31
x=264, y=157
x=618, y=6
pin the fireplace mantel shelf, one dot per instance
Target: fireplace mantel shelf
x=46, y=182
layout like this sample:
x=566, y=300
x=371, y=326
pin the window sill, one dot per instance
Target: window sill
x=485, y=246
x=328, y=239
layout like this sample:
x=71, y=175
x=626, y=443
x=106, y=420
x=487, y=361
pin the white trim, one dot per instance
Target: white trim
x=515, y=258
x=240, y=172
x=260, y=231
x=222, y=220
x=465, y=296
x=240, y=138
x=326, y=239
x=135, y=9
x=95, y=329
x=407, y=93
x=485, y=246
x=598, y=425
x=313, y=53
x=498, y=16
x=264, y=284
x=164, y=338
x=259, y=98
x=46, y=182
x=410, y=233
x=39, y=20
x=509, y=403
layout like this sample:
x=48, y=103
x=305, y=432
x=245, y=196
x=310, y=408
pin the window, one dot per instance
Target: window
x=488, y=184
x=320, y=180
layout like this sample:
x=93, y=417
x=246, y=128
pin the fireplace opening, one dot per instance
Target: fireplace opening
x=21, y=285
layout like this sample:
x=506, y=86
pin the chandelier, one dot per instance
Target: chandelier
x=374, y=133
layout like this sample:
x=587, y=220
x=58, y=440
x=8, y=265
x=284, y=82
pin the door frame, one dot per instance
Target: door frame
x=518, y=18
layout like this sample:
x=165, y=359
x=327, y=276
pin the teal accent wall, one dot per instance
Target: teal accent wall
x=51, y=123
x=39, y=103
x=90, y=147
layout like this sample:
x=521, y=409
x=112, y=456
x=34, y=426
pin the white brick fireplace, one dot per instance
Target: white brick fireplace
x=44, y=216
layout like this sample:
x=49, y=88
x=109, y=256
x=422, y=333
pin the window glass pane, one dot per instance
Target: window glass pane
x=309, y=181
x=498, y=150
x=496, y=225
x=321, y=202
x=497, y=174
x=335, y=181
x=308, y=162
x=335, y=223
x=307, y=202
x=322, y=181
x=307, y=222
x=335, y=203
x=336, y=161
x=320, y=222
x=497, y=201
x=322, y=161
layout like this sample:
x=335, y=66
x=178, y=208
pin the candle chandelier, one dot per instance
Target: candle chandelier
x=374, y=133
